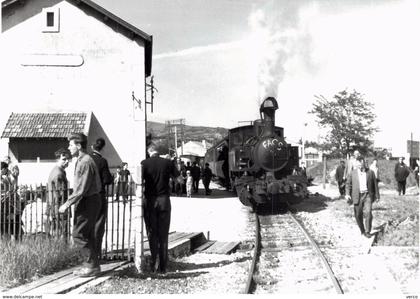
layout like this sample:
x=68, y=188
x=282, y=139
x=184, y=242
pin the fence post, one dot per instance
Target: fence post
x=139, y=258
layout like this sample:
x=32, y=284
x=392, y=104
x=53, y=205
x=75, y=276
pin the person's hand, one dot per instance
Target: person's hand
x=180, y=179
x=347, y=197
x=63, y=208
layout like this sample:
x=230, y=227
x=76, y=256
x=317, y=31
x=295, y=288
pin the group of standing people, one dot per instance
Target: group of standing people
x=89, y=199
x=91, y=176
x=122, y=181
x=10, y=205
x=190, y=176
x=358, y=182
x=157, y=173
x=361, y=189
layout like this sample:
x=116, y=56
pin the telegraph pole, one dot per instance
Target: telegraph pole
x=324, y=170
x=175, y=126
x=176, y=143
x=303, y=144
x=140, y=118
x=411, y=145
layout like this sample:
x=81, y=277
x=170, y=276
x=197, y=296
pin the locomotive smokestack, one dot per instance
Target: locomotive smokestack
x=267, y=111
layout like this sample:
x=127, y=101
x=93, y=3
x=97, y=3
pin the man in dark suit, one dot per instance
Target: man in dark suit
x=339, y=176
x=106, y=179
x=401, y=174
x=156, y=172
x=362, y=188
x=206, y=177
x=195, y=173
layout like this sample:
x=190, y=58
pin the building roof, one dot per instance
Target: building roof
x=108, y=18
x=311, y=150
x=45, y=125
x=194, y=148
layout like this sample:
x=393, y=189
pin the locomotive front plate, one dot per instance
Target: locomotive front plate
x=271, y=153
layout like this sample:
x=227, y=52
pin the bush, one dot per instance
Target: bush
x=33, y=257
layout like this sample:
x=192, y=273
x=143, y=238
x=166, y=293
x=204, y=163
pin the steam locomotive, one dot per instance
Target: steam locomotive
x=257, y=162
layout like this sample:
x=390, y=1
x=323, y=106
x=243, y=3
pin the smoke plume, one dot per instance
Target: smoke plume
x=280, y=37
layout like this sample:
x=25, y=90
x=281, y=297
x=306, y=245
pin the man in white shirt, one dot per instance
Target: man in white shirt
x=362, y=189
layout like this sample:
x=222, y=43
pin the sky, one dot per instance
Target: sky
x=214, y=61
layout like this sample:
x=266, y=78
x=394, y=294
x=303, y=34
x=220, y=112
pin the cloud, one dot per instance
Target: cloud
x=200, y=50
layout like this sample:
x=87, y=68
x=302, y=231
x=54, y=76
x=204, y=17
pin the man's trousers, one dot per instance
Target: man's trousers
x=401, y=187
x=157, y=217
x=85, y=215
x=365, y=202
x=100, y=223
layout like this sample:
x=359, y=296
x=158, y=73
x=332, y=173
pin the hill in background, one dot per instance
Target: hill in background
x=197, y=133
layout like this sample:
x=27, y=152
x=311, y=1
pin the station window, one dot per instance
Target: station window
x=51, y=20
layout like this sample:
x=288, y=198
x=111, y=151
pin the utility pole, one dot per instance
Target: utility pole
x=140, y=128
x=175, y=127
x=303, y=144
x=176, y=143
x=324, y=170
x=411, y=145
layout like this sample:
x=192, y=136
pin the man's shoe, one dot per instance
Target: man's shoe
x=88, y=272
x=368, y=235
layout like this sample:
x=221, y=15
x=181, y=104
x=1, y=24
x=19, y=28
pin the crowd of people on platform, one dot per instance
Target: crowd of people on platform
x=50, y=214
x=357, y=182
x=190, y=175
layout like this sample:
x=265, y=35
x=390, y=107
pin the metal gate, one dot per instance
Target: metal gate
x=32, y=211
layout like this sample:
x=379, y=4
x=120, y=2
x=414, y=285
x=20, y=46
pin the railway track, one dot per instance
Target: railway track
x=286, y=259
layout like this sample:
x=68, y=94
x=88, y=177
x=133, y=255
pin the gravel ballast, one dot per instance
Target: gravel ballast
x=226, y=219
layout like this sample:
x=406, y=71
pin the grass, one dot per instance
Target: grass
x=24, y=261
x=399, y=216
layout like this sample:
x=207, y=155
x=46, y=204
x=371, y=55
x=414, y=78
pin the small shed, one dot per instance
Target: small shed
x=34, y=138
x=193, y=151
x=312, y=156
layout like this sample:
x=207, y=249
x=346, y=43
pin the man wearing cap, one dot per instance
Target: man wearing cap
x=156, y=172
x=87, y=201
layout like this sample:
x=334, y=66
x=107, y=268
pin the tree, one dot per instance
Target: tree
x=349, y=119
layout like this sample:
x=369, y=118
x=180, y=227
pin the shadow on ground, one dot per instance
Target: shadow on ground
x=215, y=193
x=177, y=270
x=314, y=203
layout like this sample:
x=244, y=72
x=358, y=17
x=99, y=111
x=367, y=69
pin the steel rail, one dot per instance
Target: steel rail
x=320, y=254
x=250, y=279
